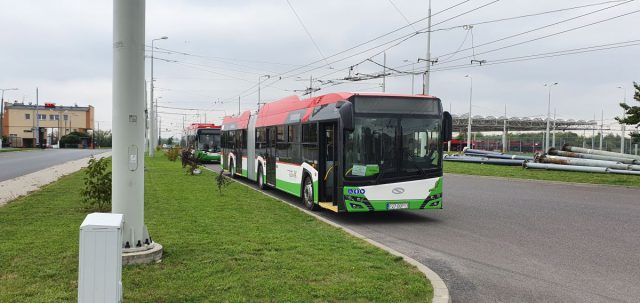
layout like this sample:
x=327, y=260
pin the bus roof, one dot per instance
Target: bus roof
x=277, y=112
x=236, y=122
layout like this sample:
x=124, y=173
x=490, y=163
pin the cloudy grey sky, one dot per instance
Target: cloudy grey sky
x=218, y=50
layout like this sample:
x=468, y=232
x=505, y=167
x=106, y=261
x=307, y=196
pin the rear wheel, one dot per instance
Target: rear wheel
x=307, y=194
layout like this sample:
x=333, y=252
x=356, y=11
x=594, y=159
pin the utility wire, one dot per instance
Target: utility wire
x=401, y=14
x=546, y=26
x=306, y=30
x=527, y=15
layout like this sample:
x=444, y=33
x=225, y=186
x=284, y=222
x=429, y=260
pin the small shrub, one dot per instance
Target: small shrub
x=97, y=185
x=190, y=161
x=173, y=153
x=221, y=181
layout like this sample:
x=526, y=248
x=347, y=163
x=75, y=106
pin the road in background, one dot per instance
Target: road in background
x=500, y=240
x=20, y=163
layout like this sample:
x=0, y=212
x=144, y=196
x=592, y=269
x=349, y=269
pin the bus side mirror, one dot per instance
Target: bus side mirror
x=447, y=127
x=345, y=108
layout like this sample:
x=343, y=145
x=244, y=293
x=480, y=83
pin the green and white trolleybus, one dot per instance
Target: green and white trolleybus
x=346, y=152
x=204, y=138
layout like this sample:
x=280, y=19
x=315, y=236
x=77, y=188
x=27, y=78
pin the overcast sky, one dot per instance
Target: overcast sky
x=64, y=47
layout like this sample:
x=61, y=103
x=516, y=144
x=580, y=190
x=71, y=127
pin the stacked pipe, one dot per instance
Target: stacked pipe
x=572, y=158
x=488, y=157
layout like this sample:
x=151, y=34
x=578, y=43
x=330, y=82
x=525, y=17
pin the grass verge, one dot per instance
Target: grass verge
x=8, y=149
x=238, y=247
x=539, y=174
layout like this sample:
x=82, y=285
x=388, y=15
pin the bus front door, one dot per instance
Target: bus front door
x=271, y=156
x=328, y=163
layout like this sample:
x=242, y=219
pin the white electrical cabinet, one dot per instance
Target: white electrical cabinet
x=100, y=270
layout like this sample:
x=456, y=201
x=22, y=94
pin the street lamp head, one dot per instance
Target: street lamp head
x=164, y=37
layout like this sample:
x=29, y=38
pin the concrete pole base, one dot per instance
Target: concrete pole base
x=151, y=253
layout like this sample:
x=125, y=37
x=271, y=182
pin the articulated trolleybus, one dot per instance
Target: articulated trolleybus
x=205, y=140
x=346, y=152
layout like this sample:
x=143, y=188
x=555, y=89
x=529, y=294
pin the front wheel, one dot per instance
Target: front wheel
x=232, y=170
x=307, y=194
x=261, y=179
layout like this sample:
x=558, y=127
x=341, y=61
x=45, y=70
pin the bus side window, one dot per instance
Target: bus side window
x=310, y=142
x=293, y=137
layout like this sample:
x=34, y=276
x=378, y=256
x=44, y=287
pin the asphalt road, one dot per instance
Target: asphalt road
x=19, y=163
x=500, y=240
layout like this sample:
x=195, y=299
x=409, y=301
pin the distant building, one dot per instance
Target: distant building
x=55, y=121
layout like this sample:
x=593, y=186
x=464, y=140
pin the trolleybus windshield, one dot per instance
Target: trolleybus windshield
x=401, y=141
x=209, y=140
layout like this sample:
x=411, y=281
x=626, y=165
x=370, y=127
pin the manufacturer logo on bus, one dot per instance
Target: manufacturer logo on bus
x=355, y=191
x=397, y=190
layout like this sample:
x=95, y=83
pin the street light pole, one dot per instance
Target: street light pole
x=2, y=113
x=152, y=143
x=546, y=142
x=470, y=98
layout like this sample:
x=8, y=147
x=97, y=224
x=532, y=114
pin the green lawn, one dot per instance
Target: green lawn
x=240, y=247
x=539, y=174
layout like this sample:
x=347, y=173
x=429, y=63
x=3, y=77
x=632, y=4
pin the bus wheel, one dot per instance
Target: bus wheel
x=261, y=178
x=307, y=194
x=232, y=170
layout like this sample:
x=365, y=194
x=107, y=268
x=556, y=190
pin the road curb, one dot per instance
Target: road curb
x=440, y=290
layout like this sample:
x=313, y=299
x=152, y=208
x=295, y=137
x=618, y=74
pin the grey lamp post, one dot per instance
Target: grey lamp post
x=152, y=142
x=2, y=112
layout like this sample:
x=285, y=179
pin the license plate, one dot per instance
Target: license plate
x=397, y=205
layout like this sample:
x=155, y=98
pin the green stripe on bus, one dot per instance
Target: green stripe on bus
x=292, y=188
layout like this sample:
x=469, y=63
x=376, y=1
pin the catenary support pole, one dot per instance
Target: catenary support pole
x=504, y=131
x=622, y=125
x=427, y=73
x=384, y=72
x=152, y=116
x=469, y=122
x=553, y=135
x=128, y=119
x=601, y=128
x=37, y=132
x=593, y=133
x=546, y=142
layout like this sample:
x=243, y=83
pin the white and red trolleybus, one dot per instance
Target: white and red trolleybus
x=204, y=138
x=346, y=152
